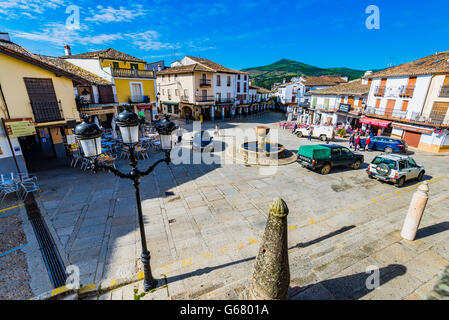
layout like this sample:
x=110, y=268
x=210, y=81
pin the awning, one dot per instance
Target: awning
x=170, y=103
x=375, y=122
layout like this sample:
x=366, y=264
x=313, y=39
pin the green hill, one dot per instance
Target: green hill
x=266, y=76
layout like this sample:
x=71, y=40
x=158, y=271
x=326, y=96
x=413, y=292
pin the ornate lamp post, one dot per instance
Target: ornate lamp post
x=90, y=134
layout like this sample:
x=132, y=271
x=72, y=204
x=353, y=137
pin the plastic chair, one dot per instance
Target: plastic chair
x=28, y=186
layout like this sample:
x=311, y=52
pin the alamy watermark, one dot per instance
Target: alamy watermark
x=373, y=20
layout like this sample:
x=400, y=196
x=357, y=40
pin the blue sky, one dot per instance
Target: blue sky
x=237, y=34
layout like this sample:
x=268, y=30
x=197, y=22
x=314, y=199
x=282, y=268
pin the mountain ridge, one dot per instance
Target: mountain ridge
x=266, y=76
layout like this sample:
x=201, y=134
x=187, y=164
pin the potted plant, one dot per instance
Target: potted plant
x=341, y=132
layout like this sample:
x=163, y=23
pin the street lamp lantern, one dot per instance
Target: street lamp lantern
x=89, y=134
x=165, y=128
x=128, y=122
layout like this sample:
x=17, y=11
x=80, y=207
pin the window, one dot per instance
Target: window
x=439, y=111
x=335, y=152
x=218, y=80
x=218, y=97
x=389, y=162
x=43, y=100
x=246, y=77
x=238, y=77
x=134, y=66
x=238, y=86
x=115, y=65
x=186, y=92
x=177, y=92
x=345, y=151
x=229, y=81
x=411, y=163
x=402, y=165
x=244, y=87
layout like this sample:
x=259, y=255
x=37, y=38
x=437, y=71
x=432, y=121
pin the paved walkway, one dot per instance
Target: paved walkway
x=204, y=224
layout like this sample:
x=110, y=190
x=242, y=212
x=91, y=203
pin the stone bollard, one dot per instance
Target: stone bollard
x=415, y=212
x=271, y=274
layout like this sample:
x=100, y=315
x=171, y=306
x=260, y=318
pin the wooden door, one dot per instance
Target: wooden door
x=390, y=108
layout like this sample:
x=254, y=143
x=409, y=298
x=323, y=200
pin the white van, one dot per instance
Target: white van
x=324, y=133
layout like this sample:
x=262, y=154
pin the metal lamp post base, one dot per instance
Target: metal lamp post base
x=149, y=282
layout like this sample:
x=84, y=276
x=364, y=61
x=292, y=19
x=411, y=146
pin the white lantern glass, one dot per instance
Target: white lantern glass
x=91, y=147
x=166, y=141
x=130, y=135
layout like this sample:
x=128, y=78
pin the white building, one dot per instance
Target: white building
x=413, y=101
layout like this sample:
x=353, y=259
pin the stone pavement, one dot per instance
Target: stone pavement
x=204, y=222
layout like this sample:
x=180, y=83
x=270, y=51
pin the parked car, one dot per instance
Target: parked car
x=325, y=157
x=202, y=141
x=386, y=144
x=395, y=168
x=322, y=132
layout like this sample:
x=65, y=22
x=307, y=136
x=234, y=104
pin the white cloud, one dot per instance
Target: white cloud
x=110, y=14
x=148, y=41
x=59, y=34
x=14, y=8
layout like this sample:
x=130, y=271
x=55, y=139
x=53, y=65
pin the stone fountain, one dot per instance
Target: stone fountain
x=263, y=152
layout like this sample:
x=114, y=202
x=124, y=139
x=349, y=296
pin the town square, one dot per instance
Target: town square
x=128, y=177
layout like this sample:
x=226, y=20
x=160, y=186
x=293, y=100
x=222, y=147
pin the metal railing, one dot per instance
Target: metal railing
x=407, y=91
x=205, y=99
x=47, y=111
x=205, y=82
x=185, y=98
x=224, y=100
x=380, y=91
x=132, y=73
x=138, y=99
x=444, y=92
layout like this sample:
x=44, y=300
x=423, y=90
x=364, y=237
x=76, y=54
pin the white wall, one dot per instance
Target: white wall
x=94, y=66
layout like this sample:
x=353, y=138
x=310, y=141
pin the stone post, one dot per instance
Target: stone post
x=271, y=275
x=415, y=212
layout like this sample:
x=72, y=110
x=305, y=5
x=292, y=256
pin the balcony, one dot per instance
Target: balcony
x=205, y=99
x=205, y=83
x=185, y=98
x=407, y=91
x=224, y=100
x=131, y=73
x=444, y=92
x=380, y=91
x=139, y=99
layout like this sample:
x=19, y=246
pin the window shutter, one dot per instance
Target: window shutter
x=446, y=81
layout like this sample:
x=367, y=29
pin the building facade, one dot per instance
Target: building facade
x=132, y=82
x=38, y=105
x=197, y=88
x=342, y=104
x=413, y=100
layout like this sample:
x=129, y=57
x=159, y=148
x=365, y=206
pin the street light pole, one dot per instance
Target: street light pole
x=88, y=133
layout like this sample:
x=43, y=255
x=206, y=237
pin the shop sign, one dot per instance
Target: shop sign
x=20, y=127
x=344, y=107
x=410, y=128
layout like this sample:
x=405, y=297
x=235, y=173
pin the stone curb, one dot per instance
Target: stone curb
x=89, y=290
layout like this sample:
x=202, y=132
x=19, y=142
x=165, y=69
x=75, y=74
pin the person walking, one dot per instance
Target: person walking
x=351, y=140
x=217, y=130
x=357, y=143
x=310, y=134
x=368, y=141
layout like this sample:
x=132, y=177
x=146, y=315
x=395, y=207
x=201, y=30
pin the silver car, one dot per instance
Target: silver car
x=395, y=168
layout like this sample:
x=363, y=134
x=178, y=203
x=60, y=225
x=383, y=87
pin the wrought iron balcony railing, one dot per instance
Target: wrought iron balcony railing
x=138, y=99
x=407, y=91
x=205, y=82
x=205, y=99
x=380, y=91
x=224, y=100
x=132, y=73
